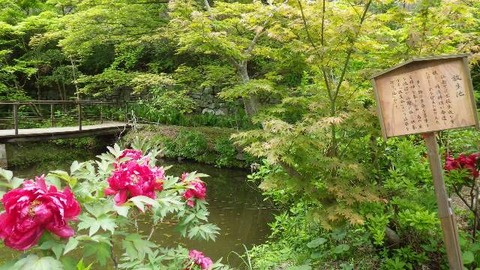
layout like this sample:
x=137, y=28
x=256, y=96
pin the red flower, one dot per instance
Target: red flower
x=34, y=208
x=134, y=178
x=451, y=163
x=200, y=259
x=463, y=162
x=196, y=190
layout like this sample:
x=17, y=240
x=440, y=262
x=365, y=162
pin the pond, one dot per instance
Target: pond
x=236, y=206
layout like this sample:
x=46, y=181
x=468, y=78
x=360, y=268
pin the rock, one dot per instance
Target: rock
x=221, y=111
x=208, y=111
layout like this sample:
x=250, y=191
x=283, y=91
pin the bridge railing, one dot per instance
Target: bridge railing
x=51, y=113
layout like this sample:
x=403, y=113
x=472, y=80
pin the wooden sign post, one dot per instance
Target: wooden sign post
x=423, y=96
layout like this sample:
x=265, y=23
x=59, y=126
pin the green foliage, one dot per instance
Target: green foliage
x=187, y=144
x=296, y=242
x=167, y=106
x=109, y=83
x=226, y=152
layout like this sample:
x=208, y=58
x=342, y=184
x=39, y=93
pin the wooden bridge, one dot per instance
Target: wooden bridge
x=50, y=112
x=37, y=134
x=100, y=121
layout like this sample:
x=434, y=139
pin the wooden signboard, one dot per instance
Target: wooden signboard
x=425, y=95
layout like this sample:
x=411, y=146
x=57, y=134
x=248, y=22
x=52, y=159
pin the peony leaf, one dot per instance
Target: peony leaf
x=205, y=231
x=137, y=247
x=16, y=182
x=107, y=223
x=94, y=228
x=140, y=202
x=121, y=210
x=6, y=174
x=8, y=265
x=61, y=175
x=75, y=166
x=71, y=245
x=34, y=262
x=100, y=250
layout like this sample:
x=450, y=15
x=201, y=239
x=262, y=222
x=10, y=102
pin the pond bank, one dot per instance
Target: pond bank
x=208, y=145
x=49, y=154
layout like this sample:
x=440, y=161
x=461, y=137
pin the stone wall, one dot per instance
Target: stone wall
x=209, y=103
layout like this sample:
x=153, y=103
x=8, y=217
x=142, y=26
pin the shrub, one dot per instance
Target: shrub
x=187, y=144
x=226, y=152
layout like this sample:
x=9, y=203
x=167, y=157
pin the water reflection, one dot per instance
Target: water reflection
x=235, y=205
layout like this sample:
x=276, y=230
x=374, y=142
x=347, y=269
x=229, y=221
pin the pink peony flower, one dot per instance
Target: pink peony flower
x=199, y=259
x=159, y=174
x=196, y=190
x=131, y=153
x=133, y=178
x=34, y=208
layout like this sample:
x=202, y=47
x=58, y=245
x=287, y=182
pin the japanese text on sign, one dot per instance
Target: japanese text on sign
x=425, y=96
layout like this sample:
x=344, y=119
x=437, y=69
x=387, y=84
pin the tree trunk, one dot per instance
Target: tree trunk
x=250, y=103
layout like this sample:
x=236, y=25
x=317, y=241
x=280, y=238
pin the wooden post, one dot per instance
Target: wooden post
x=15, y=117
x=445, y=212
x=126, y=111
x=101, y=113
x=51, y=115
x=79, y=106
x=3, y=156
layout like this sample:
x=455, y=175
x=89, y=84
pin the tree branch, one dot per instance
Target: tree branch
x=350, y=50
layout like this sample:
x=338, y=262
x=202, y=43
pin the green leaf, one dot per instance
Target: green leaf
x=81, y=266
x=75, y=166
x=341, y=248
x=54, y=180
x=16, y=182
x=33, y=262
x=100, y=208
x=121, y=210
x=55, y=246
x=140, y=202
x=316, y=242
x=71, y=245
x=8, y=265
x=94, y=228
x=6, y=174
x=107, y=223
x=204, y=231
x=136, y=247
x=468, y=257
x=100, y=250
x=63, y=175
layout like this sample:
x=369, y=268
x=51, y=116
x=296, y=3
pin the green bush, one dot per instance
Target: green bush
x=226, y=152
x=187, y=144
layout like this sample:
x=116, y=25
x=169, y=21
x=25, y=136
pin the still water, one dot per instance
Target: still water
x=235, y=205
